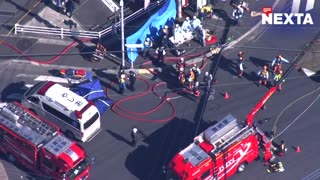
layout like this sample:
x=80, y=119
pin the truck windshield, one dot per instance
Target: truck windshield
x=73, y=173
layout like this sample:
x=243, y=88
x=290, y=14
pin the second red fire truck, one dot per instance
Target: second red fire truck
x=223, y=149
x=39, y=146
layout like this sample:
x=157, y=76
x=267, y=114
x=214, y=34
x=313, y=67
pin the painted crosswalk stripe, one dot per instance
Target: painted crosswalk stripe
x=51, y=78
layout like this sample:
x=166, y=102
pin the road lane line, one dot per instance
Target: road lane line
x=313, y=175
x=52, y=78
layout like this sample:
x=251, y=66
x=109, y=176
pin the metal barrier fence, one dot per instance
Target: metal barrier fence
x=82, y=34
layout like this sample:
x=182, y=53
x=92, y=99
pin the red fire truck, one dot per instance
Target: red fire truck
x=223, y=149
x=39, y=146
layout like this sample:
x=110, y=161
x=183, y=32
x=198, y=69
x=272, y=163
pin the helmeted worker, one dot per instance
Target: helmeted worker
x=282, y=148
x=181, y=65
x=275, y=167
x=134, y=135
x=132, y=79
x=240, y=66
x=206, y=11
x=122, y=82
x=195, y=23
x=264, y=75
x=277, y=63
x=240, y=54
x=186, y=25
x=277, y=78
x=182, y=78
x=238, y=10
x=177, y=33
x=191, y=79
x=160, y=51
x=207, y=79
x=165, y=31
x=147, y=45
x=197, y=71
x=196, y=91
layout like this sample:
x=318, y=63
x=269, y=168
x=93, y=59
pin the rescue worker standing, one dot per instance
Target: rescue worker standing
x=147, y=45
x=264, y=76
x=160, y=51
x=238, y=10
x=164, y=31
x=180, y=66
x=196, y=91
x=134, y=135
x=277, y=63
x=132, y=79
x=277, y=78
x=191, y=79
x=240, y=66
x=195, y=23
x=122, y=82
x=206, y=11
x=282, y=148
x=186, y=25
x=207, y=79
x=197, y=71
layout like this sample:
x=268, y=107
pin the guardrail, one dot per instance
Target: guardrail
x=55, y=31
x=81, y=34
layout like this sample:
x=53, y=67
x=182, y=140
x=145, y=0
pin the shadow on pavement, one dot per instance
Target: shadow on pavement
x=36, y=16
x=118, y=137
x=13, y=92
x=113, y=78
x=147, y=161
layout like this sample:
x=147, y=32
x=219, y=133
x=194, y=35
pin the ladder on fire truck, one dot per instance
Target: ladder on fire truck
x=225, y=133
x=23, y=123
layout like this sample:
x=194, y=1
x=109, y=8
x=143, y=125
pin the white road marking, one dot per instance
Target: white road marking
x=295, y=6
x=27, y=75
x=51, y=78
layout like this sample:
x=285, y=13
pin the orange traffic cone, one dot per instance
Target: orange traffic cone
x=298, y=149
x=226, y=95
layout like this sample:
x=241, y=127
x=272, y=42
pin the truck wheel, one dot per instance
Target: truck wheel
x=241, y=167
x=12, y=158
x=70, y=135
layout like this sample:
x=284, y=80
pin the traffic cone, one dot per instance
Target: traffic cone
x=298, y=149
x=226, y=95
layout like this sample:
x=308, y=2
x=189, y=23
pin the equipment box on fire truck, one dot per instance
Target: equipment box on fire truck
x=39, y=146
x=72, y=113
x=219, y=152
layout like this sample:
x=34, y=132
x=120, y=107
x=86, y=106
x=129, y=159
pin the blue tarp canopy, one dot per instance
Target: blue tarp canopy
x=164, y=16
x=92, y=91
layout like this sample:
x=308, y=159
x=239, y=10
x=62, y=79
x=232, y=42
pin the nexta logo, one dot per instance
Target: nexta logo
x=285, y=18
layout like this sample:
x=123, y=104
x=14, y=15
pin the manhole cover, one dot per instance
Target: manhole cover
x=24, y=44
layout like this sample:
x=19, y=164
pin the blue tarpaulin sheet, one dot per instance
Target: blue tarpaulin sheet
x=92, y=91
x=164, y=16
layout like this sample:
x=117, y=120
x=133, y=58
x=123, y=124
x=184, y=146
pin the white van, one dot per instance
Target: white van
x=72, y=113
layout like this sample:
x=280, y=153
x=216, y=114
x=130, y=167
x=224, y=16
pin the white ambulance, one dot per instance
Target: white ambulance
x=74, y=115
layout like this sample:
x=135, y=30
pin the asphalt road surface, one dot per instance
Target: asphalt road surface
x=294, y=110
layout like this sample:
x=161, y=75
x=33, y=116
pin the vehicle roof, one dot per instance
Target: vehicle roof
x=66, y=97
x=26, y=125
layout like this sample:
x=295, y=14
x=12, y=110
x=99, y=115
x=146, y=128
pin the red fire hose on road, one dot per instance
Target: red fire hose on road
x=116, y=108
x=48, y=61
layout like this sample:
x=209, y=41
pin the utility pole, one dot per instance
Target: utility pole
x=122, y=34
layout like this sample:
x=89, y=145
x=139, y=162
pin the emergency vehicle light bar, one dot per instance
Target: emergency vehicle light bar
x=44, y=89
x=78, y=114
